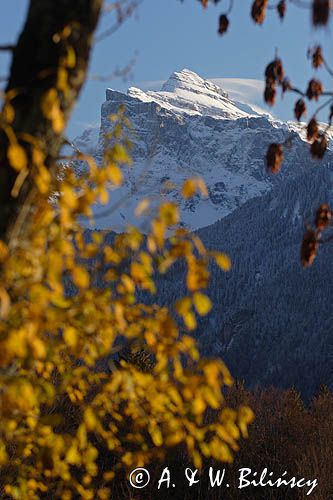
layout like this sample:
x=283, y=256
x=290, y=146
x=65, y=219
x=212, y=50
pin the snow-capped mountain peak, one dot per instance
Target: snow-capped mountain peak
x=190, y=81
x=191, y=128
x=185, y=92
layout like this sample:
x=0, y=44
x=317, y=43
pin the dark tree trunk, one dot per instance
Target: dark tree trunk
x=36, y=60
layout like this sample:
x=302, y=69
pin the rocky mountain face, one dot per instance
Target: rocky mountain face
x=272, y=321
x=191, y=128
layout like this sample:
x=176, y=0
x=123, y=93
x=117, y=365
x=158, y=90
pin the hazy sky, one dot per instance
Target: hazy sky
x=168, y=35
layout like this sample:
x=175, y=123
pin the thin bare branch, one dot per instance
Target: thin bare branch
x=7, y=48
x=231, y=6
x=117, y=73
x=326, y=103
x=122, y=15
x=327, y=67
x=301, y=3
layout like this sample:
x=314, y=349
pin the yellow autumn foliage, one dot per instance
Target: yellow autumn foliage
x=67, y=401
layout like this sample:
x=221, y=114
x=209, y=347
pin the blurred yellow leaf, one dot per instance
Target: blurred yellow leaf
x=81, y=277
x=197, y=460
x=3, y=454
x=8, y=113
x=89, y=419
x=120, y=155
x=70, y=336
x=104, y=196
x=43, y=179
x=19, y=181
x=71, y=57
x=142, y=207
x=72, y=456
x=4, y=303
x=202, y=303
x=62, y=82
x=223, y=261
x=169, y=213
x=183, y=305
x=189, y=320
x=115, y=174
x=69, y=197
x=17, y=156
x=156, y=436
x=191, y=186
x=4, y=252
x=51, y=110
x=38, y=348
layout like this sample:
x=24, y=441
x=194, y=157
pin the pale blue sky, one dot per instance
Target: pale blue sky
x=168, y=35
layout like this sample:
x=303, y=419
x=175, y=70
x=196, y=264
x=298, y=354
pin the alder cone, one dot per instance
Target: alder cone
x=320, y=12
x=258, y=11
x=300, y=109
x=274, y=71
x=312, y=130
x=323, y=216
x=317, y=57
x=274, y=157
x=314, y=90
x=309, y=248
x=286, y=85
x=223, y=24
x=318, y=147
x=270, y=94
x=281, y=8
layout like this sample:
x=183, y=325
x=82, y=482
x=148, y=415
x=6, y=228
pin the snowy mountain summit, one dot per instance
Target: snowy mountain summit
x=272, y=322
x=192, y=128
x=187, y=93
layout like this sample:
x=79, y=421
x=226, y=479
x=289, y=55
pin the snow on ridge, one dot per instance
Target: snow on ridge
x=185, y=92
x=187, y=79
x=191, y=128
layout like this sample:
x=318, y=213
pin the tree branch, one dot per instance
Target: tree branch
x=37, y=58
x=7, y=48
x=122, y=15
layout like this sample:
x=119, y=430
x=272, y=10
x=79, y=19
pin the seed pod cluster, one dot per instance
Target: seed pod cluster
x=223, y=24
x=270, y=93
x=317, y=57
x=314, y=90
x=285, y=85
x=281, y=9
x=320, y=12
x=274, y=74
x=258, y=11
x=323, y=217
x=300, y=109
x=274, y=71
x=309, y=248
x=311, y=239
x=312, y=130
x=319, y=146
x=274, y=157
